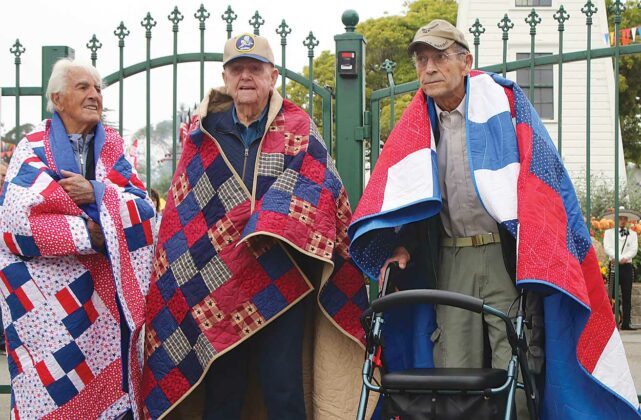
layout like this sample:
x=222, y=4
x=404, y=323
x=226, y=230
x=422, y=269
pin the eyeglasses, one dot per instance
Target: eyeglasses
x=438, y=59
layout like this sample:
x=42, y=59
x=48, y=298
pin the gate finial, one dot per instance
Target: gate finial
x=175, y=16
x=533, y=19
x=202, y=15
x=94, y=45
x=256, y=21
x=17, y=49
x=148, y=22
x=310, y=42
x=229, y=16
x=350, y=20
x=283, y=30
x=505, y=25
x=561, y=16
x=121, y=32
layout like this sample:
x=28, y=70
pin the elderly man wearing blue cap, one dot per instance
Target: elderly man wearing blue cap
x=255, y=222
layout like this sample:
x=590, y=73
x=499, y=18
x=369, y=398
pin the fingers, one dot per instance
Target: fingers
x=67, y=174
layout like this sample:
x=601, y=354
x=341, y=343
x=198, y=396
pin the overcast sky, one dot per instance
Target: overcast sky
x=73, y=22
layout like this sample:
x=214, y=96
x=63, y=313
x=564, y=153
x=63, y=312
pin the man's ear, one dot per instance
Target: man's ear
x=56, y=98
x=274, y=76
x=469, y=60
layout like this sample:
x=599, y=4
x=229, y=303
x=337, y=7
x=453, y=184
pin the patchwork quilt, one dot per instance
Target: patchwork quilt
x=223, y=267
x=64, y=302
x=523, y=185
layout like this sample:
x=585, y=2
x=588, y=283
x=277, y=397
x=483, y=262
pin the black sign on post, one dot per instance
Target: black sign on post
x=347, y=64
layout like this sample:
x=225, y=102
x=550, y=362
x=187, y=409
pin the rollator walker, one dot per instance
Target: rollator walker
x=445, y=393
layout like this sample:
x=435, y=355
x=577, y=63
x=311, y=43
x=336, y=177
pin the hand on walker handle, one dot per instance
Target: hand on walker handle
x=400, y=256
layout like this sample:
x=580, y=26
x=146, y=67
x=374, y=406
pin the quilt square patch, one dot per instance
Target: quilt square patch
x=271, y=164
x=177, y=346
x=207, y=314
x=223, y=234
x=286, y=181
x=161, y=264
x=320, y=245
x=247, y=319
x=179, y=189
x=215, y=273
x=294, y=144
x=203, y=191
x=231, y=194
x=184, y=268
x=302, y=210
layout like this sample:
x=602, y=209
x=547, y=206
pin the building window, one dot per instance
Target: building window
x=543, y=86
x=533, y=3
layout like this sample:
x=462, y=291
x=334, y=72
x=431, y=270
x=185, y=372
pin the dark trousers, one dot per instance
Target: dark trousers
x=278, y=349
x=625, y=282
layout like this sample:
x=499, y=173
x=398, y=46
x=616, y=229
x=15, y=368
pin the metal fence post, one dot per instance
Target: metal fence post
x=350, y=105
x=477, y=30
x=588, y=9
x=560, y=16
x=310, y=42
x=51, y=54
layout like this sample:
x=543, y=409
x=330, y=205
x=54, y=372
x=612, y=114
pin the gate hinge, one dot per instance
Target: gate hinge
x=364, y=132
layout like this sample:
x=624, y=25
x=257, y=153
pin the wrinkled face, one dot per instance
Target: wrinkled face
x=81, y=102
x=249, y=82
x=441, y=74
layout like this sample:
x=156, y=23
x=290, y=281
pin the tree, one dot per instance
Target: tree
x=10, y=136
x=630, y=88
x=387, y=38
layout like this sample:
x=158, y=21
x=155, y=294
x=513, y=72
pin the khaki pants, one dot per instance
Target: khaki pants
x=458, y=340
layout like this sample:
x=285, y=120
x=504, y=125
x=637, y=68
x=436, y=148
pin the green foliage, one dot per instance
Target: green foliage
x=323, y=76
x=630, y=88
x=387, y=38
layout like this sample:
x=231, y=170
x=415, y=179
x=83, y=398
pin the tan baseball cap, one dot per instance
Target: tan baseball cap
x=248, y=46
x=439, y=34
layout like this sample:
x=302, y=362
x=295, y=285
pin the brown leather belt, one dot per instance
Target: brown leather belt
x=476, y=240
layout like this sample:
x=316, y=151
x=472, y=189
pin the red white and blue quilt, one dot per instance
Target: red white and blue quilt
x=64, y=302
x=222, y=269
x=521, y=182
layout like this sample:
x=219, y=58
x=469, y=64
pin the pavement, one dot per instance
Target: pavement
x=631, y=342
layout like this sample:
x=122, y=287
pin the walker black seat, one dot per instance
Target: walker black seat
x=456, y=379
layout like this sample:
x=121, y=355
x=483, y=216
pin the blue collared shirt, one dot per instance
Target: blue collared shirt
x=80, y=147
x=255, y=130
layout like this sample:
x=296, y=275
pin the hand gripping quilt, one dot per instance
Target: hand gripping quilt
x=223, y=268
x=523, y=185
x=64, y=302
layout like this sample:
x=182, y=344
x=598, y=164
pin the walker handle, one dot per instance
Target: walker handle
x=419, y=296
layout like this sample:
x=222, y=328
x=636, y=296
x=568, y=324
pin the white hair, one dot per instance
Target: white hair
x=59, y=77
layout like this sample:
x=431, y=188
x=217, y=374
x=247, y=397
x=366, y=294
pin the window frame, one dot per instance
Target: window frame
x=546, y=110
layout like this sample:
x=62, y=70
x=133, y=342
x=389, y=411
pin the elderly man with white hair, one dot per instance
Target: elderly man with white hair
x=75, y=258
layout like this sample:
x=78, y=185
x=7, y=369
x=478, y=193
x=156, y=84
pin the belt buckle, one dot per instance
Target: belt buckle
x=477, y=240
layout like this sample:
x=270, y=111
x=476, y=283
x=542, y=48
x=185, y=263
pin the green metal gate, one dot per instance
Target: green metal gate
x=357, y=131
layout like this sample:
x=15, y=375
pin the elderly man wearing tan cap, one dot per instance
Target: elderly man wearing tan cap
x=463, y=247
x=254, y=224
x=469, y=169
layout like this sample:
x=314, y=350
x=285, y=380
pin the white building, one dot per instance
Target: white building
x=602, y=119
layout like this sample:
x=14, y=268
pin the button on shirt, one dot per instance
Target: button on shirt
x=462, y=214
